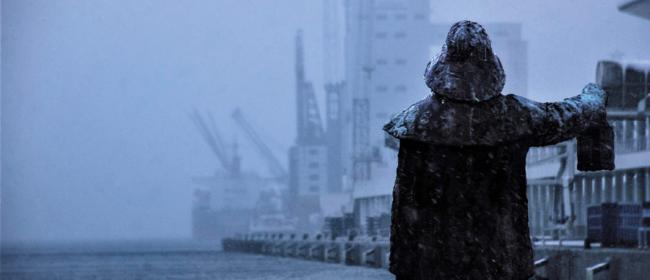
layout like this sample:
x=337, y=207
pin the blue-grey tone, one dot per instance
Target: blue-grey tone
x=96, y=143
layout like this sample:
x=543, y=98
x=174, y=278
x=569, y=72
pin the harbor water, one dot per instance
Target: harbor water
x=163, y=260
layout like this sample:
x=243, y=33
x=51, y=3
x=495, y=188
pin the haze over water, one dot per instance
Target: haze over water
x=96, y=140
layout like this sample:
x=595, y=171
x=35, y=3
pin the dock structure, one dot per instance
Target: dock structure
x=553, y=260
x=360, y=251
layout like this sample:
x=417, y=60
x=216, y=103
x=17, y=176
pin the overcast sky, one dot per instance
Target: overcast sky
x=96, y=139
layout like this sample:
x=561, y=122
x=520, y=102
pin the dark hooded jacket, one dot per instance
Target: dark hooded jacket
x=459, y=202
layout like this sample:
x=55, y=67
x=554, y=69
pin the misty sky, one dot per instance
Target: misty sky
x=96, y=139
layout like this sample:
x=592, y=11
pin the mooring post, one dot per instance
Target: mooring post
x=593, y=270
x=541, y=264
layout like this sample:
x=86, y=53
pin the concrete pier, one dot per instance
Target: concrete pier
x=559, y=262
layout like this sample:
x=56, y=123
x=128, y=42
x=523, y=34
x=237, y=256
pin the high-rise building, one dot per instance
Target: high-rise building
x=386, y=51
x=334, y=85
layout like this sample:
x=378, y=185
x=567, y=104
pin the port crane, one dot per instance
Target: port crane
x=231, y=162
x=274, y=165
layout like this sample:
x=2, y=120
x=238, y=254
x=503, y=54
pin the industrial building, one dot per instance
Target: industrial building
x=386, y=51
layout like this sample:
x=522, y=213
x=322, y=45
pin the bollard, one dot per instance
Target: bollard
x=335, y=252
x=290, y=249
x=267, y=246
x=278, y=247
x=369, y=258
x=594, y=270
x=284, y=249
x=643, y=237
x=374, y=257
x=386, y=263
x=352, y=253
x=317, y=249
x=302, y=249
x=539, y=264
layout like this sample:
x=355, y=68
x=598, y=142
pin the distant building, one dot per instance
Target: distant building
x=308, y=173
x=308, y=169
x=386, y=51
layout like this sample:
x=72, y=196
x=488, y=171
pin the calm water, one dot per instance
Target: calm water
x=163, y=260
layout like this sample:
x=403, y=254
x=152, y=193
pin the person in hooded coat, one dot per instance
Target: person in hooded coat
x=459, y=208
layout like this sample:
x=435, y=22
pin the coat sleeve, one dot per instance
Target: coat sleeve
x=554, y=122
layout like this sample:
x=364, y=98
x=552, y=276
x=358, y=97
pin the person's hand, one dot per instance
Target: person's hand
x=592, y=89
x=597, y=96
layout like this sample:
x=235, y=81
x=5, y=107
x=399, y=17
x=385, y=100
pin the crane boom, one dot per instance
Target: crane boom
x=212, y=138
x=273, y=163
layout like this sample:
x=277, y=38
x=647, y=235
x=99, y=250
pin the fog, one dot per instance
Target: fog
x=96, y=139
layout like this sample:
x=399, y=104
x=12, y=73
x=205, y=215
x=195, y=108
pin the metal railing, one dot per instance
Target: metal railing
x=632, y=145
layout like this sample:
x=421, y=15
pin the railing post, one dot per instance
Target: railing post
x=368, y=257
x=541, y=263
x=593, y=270
x=643, y=237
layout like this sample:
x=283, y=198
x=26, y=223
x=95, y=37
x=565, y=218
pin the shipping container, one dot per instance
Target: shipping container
x=601, y=224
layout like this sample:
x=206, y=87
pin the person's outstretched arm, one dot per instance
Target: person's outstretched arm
x=554, y=122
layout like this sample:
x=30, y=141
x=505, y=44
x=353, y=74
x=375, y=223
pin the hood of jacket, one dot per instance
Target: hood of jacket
x=466, y=69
